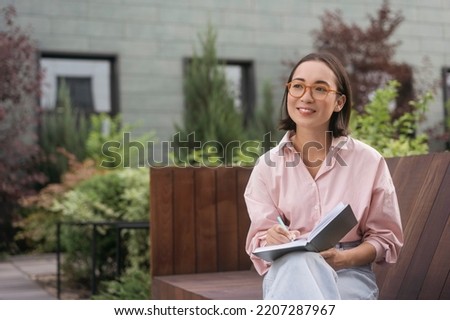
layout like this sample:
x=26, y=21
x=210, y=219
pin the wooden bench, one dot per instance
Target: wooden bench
x=199, y=224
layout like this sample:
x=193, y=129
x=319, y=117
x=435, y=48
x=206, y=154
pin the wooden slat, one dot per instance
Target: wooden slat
x=445, y=293
x=421, y=268
x=408, y=184
x=408, y=174
x=421, y=206
x=227, y=220
x=408, y=178
x=205, y=217
x=232, y=285
x=184, y=221
x=430, y=232
x=161, y=221
x=162, y=289
x=438, y=276
x=243, y=175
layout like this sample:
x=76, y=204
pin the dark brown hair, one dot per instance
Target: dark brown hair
x=339, y=120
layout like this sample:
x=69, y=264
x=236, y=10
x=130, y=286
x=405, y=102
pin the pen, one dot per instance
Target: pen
x=281, y=222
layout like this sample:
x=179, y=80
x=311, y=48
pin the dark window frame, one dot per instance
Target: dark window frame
x=113, y=78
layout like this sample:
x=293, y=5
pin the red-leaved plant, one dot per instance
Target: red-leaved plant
x=20, y=82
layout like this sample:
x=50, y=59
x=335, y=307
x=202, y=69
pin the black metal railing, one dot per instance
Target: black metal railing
x=118, y=225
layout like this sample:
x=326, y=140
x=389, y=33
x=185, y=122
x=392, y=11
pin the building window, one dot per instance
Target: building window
x=91, y=81
x=242, y=86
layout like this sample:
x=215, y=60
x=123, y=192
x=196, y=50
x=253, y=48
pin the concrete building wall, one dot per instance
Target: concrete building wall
x=151, y=38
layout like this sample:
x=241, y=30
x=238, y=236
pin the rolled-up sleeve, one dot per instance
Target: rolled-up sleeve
x=383, y=225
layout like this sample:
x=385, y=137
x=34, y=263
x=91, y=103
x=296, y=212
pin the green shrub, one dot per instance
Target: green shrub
x=264, y=120
x=133, y=285
x=109, y=143
x=119, y=195
x=391, y=137
x=210, y=115
x=263, y=126
x=116, y=195
x=37, y=226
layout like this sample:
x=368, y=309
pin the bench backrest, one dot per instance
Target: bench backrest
x=199, y=223
x=423, y=268
x=199, y=220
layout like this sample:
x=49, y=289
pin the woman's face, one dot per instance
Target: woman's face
x=309, y=112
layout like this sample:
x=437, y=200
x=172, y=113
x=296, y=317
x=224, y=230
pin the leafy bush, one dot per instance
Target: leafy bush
x=133, y=285
x=115, y=195
x=37, y=226
x=241, y=153
x=109, y=143
x=88, y=193
x=391, y=137
x=120, y=195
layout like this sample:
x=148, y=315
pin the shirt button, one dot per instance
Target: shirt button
x=316, y=207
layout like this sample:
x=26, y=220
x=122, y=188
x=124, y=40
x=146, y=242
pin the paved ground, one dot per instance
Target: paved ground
x=18, y=275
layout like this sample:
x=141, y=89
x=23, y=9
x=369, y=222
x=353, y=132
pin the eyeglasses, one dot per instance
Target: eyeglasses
x=298, y=88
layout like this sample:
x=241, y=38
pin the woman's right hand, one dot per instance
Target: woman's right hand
x=278, y=235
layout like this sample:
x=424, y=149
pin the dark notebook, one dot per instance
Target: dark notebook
x=325, y=235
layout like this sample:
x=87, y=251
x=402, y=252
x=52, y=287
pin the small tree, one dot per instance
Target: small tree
x=368, y=54
x=210, y=119
x=19, y=90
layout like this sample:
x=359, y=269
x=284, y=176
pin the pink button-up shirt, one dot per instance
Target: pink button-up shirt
x=353, y=172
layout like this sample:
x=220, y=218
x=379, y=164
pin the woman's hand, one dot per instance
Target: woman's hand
x=278, y=235
x=338, y=259
x=335, y=258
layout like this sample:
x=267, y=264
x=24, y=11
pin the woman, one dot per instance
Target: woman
x=316, y=166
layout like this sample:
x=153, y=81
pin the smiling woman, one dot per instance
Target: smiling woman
x=311, y=110
x=333, y=78
x=316, y=110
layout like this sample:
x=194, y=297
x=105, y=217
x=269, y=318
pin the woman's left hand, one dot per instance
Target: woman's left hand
x=338, y=259
x=335, y=258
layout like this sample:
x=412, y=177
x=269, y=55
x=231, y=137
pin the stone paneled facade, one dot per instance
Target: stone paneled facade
x=149, y=39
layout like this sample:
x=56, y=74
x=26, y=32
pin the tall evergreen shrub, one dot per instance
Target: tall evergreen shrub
x=263, y=126
x=64, y=128
x=210, y=119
